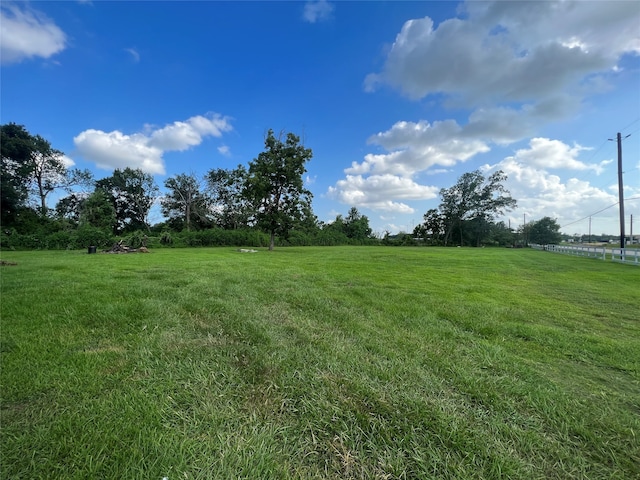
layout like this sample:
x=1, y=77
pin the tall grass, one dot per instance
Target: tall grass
x=336, y=362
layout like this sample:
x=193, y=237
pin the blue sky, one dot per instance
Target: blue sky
x=396, y=99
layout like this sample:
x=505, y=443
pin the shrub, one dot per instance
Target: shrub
x=165, y=238
x=136, y=240
x=60, y=241
x=87, y=235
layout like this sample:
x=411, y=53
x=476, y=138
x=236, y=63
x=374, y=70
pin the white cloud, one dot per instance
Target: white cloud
x=117, y=150
x=134, y=54
x=67, y=161
x=224, y=150
x=414, y=148
x=554, y=154
x=144, y=150
x=510, y=51
x=503, y=125
x=317, y=11
x=515, y=67
x=541, y=193
x=27, y=33
x=182, y=135
x=378, y=192
x=411, y=147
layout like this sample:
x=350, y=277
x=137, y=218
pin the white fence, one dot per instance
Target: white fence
x=623, y=255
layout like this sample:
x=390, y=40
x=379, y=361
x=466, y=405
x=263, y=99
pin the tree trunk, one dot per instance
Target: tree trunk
x=43, y=199
x=272, y=240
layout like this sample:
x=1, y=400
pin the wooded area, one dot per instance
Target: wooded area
x=262, y=204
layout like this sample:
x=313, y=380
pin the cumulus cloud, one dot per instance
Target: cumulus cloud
x=378, y=192
x=504, y=52
x=144, y=150
x=545, y=154
x=317, y=11
x=414, y=147
x=543, y=193
x=503, y=125
x=224, y=150
x=183, y=135
x=116, y=150
x=514, y=67
x=68, y=161
x=411, y=148
x=27, y=33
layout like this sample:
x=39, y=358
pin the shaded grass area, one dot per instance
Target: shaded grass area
x=360, y=362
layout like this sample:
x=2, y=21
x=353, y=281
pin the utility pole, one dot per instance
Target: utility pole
x=631, y=231
x=589, y=229
x=620, y=192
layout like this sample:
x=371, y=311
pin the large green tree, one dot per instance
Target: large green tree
x=476, y=201
x=545, y=231
x=132, y=193
x=98, y=211
x=15, y=170
x=275, y=187
x=501, y=234
x=31, y=167
x=433, y=228
x=356, y=225
x=50, y=173
x=69, y=208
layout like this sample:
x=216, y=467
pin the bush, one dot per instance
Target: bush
x=6, y=242
x=12, y=240
x=298, y=239
x=137, y=239
x=61, y=241
x=87, y=235
x=191, y=239
x=165, y=238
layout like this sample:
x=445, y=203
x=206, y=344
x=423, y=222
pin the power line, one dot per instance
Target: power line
x=600, y=211
x=635, y=121
x=590, y=215
x=605, y=142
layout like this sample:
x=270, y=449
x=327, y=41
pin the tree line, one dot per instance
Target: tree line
x=265, y=203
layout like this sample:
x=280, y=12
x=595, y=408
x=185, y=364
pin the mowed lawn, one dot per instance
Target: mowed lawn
x=335, y=362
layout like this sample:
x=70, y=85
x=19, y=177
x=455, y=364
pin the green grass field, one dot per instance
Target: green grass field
x=360, y=362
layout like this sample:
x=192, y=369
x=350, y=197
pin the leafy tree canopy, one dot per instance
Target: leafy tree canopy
x=15, y=150
x=30, y=166
x=132, y=193
x=474, y=198
x=98, y=211
x=545, y=231
x=275, y=187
